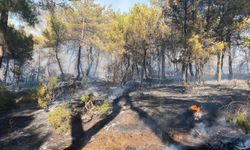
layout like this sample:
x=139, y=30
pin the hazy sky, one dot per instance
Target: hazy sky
x=122, y=5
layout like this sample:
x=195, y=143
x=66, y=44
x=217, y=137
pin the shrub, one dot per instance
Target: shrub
x=87, y=101
x=7, y=98
x=104, y=109
x=53, y=81
x=43, y=101
x=59, y=119
x=43, y=97
x=41, y=89
x=46, y=93
x=86, y=98
x=26, y=96
x=241, y=120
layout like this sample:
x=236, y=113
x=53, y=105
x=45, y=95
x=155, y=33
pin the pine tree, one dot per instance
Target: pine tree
x=24, y=8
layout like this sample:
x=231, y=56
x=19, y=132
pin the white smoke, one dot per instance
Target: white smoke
x=172, y=147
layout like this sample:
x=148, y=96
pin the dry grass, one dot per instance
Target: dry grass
x=240, y=118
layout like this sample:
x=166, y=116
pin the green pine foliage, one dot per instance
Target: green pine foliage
x=59, y=119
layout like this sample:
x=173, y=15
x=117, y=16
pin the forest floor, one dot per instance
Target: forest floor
x=142, y=120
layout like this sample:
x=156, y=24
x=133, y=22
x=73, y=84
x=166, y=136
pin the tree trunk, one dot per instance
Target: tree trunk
x=183, y=72
x=1, y=54
x=79, y=67
x=230, y=63
x=176, y=70
x=158, y=63
x=3, y=28
x=48, y=64
x=39, y=66
x=219, y=63
x=137, y=70
x=78, y=62
x=150, y=68
x=59, y=63
x=202, y=72
x=222, y=63
x=185, y=32
x=97, y=60
x=247, y=68
x=191, y=69
x=247, y=61
x=197, y=71
x=163, y=62
x=6, y=70
x=90, y=60
x=19, y=75
x=142, y=74
x=127, y=74
x=186, y=73
x=144, y=63
x=209, y=5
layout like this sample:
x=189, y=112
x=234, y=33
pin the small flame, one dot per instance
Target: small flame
x=195, y=108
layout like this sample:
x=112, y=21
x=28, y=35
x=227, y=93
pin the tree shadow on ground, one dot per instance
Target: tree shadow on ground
x=76, y=131
x=149, y=121
x=27, y=142
x=12, y=124
x=174, y=113
x=171, y=111
x=15, y=132
x=80, y=137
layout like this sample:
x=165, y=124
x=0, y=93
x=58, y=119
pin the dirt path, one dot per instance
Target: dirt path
x=142, y=120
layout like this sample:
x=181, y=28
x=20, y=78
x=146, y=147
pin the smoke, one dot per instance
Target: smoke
x=206, y=134
x=172, y=147
x=200, y=130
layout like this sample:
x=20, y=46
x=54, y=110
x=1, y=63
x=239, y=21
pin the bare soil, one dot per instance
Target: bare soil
x=142, y=120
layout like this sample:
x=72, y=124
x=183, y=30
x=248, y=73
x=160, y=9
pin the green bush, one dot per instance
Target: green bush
x=43, y=97
x=86, y=98
x=59, y=119
x=26, y=96
x=45, y=94
x=241, y=120
x=7, y=98
x=104, y=109
x=53, y=81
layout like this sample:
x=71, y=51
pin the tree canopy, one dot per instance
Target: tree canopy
x=186, y=33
